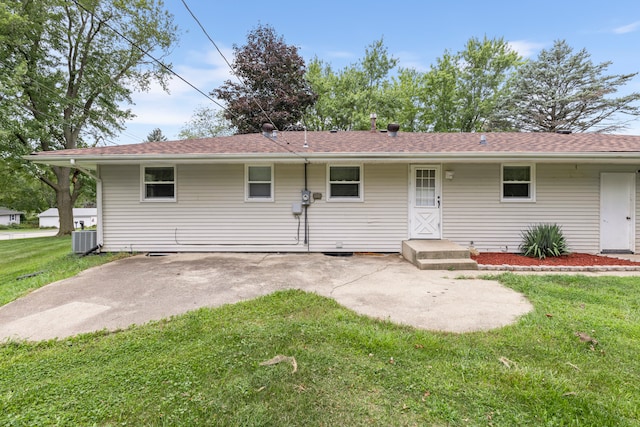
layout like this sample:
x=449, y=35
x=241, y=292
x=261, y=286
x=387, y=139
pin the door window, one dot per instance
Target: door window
x=425, y=187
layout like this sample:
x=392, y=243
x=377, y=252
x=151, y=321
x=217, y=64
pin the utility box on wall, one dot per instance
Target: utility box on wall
x=83, y=241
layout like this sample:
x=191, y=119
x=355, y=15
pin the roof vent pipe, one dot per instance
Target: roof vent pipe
x=268, y=130
x=483, y=140
x=393, y=129
x=373, y=117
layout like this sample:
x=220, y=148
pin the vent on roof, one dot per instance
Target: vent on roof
x=373, y=117
x=483, y=140
x=393, y=129
x=563, y=131
x=269, y=130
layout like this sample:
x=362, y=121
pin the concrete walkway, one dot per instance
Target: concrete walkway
x=139, y=289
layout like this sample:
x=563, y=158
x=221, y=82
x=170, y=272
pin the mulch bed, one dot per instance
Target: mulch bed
x=577, y=259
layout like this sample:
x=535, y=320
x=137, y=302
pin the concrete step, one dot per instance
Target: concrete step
x=446, y=264
x=451, y=254
x=437, y=255
x=414, y=250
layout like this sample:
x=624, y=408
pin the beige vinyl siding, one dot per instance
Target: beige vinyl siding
x=566, y=194
x=376, y=224
x=210, y=213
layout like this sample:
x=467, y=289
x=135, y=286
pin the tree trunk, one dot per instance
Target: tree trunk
x=64, y=200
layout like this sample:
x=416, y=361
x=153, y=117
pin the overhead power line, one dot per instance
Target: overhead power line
x=195, y=18
x=153, y=58
x=242, y=82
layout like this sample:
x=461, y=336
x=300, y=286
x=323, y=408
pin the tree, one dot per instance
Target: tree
x=409, y=97
x=156, y=135
x=459, y=94
x=20, y=191
x=442, y=81
x=272, y=86
x=347, y=98
x=561, y=90
x=68, y=66
x=206, y=123
x=465, y=88
x=484, y=70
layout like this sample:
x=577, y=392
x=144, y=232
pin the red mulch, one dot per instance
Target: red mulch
x=582, y=260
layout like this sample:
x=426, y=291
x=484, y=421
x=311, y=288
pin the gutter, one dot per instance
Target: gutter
x=89, y=162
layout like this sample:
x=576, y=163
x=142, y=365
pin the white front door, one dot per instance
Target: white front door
x=617, y=212
x=424, y=203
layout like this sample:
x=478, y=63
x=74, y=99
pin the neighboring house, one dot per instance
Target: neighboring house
x=362, y=191
x=86, y=216
x=8, y=216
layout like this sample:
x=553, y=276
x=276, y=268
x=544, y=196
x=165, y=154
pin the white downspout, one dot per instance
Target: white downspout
x=99, y=230
x=96, y=176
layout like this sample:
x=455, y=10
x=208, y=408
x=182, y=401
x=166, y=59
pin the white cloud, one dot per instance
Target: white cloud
x=525, y=48
x=630, y=28
x=156, y=108
x=408, y=59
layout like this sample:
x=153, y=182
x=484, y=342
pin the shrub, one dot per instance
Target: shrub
x=543, y=240
x=12, y=226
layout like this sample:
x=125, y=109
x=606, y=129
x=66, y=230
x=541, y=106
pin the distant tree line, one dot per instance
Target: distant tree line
x=486, y=86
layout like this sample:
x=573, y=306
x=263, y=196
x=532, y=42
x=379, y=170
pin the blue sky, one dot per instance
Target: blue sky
x=416, y=32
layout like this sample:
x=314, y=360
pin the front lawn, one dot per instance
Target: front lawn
x=573, y=361
x=47, y=259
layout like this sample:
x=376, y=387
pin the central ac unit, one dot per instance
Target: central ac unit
x=83, y=241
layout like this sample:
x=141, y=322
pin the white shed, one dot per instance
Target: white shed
x=8, y=216
x=88, y=217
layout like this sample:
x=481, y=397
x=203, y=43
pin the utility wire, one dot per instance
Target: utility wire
x=55, y=119
x=195, y=18
x=78, y=104
x=157, y=61
x=242, y=82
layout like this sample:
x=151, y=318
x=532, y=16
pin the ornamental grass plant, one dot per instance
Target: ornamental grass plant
x=543, y=240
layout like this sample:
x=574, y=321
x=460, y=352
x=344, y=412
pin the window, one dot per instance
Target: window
x=345, y=183
x=259, y=183
x=159, y=183
x=425, y=188
x=518, y=183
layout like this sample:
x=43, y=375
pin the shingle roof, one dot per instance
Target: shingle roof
x=365, y=142
x=53, y=212
x=7, y=211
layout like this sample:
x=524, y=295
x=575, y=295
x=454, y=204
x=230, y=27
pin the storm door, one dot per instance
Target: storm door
x=424, y=203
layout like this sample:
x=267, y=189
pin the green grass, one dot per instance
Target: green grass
x=51, y=257
x=203, y=368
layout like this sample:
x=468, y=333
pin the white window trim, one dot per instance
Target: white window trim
x=360, y=197
x=247, y=198
x=143, y=192
x=532, y=184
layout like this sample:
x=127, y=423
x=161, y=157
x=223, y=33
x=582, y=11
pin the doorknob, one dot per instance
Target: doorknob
x=628, y=217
